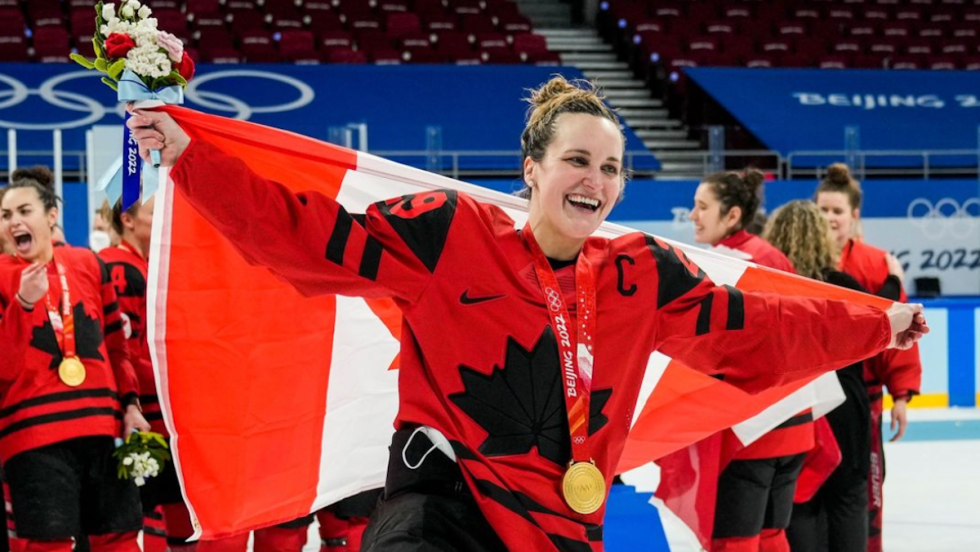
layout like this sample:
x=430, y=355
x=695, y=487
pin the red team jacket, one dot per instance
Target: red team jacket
x=900, y=371
x=796, y=434
x=36, y=408
x=479, y=361
x=127, y=272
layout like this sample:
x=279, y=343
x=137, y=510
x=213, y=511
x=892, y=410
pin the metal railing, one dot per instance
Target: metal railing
x=905, y=163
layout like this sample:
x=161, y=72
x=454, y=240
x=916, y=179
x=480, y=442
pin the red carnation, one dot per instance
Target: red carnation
x=117, y=45
x=186, y=67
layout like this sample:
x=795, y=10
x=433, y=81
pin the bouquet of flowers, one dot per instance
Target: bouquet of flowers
x=143, y=455
x=142, y=64
x=128, y=39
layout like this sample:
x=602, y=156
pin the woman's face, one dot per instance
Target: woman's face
x=580, y=178
x=836, y=208
x=26, y=224
x=710, y=225
x=140, y=225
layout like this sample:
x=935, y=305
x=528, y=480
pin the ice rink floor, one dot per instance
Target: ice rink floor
x=932, y=486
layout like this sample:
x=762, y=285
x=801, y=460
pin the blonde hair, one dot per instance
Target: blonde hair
x=800, y=231
x=839, y=179
x=552, y=99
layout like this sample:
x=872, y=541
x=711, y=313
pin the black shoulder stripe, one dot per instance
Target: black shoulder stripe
x=736, y=309
x=338, y=238
x=422, y=221
x=674, y=274
x=110, y=308
x=704, y=315
x=113, y=327
x=371, y=259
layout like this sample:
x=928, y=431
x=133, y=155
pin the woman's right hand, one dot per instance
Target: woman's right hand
x=33, y=283
x=156, y=130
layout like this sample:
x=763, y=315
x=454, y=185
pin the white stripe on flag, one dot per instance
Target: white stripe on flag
x=362, y=401
x=656, y=366
x=822, y=395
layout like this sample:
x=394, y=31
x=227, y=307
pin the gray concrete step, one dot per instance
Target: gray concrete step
x=578, y=46
x=658, y=123
x=566, y=32
x=642, y=113
x=602, y=65
x=637, y=102
x=608, y=74
x=579, y=57
x=655, y=134
x=628, y=94
x=620, y=84
x=671, y=144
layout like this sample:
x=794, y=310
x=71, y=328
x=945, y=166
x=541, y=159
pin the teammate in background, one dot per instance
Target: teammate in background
x=463, y=474
x=127, y=266
x=66, y=381
x=836, y=517
x=757, y=482
x=839, y=197
x=103, y=232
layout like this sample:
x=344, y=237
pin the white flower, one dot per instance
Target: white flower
x=135, y=4
x=128, y=461
x=139, y=481
x=126, y=12
x=144, y=12
x=108, y=11
x=104, y=30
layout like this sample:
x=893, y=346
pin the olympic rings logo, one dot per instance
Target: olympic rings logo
x=554, y=299
x=946, y=216
x=579, y=440
x=86, y=110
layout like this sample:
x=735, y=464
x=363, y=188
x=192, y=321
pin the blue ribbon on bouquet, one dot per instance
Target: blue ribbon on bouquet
x=126, y=180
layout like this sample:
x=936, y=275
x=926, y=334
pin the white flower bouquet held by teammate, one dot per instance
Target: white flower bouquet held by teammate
x=141, y=456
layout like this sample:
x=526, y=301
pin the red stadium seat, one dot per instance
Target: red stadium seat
x=345, y=56
x=400, y=24
x=548, y=59
x=51, y=44
x=328, y=40
x=297, y=45
x=14, y=49
x=530, y=43
x=500, y=56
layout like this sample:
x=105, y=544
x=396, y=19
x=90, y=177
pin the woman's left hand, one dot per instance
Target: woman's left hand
x=133, y=419
x=908, y=324
x=899, y=419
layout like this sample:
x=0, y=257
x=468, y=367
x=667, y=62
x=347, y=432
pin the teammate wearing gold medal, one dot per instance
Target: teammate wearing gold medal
x=66, y=382
x=521, y=350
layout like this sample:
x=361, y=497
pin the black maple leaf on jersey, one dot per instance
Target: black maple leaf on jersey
x=88, y=338
x=522, y=405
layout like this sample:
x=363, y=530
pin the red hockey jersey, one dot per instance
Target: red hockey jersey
x=36, y=407
x=479, y=361
x=899, y=371
x=796, y=434
x=127, y=272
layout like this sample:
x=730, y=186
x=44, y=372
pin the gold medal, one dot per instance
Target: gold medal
x=71, y=371
x=583, y=487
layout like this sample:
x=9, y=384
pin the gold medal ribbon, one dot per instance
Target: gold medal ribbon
x=583, y=486
x=71, y=371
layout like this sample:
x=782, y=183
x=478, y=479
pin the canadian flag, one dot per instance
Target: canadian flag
x=279, y=404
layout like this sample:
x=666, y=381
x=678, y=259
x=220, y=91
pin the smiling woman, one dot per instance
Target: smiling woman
x=513, y=412
x=61, y=334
